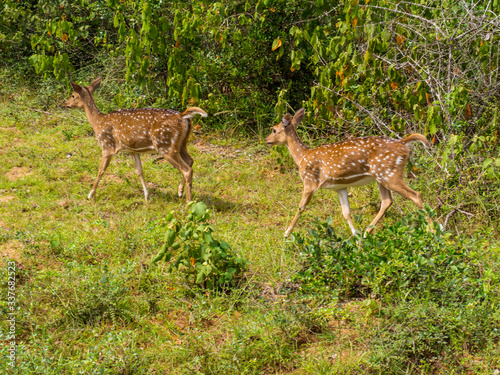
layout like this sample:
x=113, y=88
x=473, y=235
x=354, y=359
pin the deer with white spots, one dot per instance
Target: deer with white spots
x=349, y=163
x=139, y=131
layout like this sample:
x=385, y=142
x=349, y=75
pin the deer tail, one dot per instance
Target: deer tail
x=416, y=138
x=190, y=112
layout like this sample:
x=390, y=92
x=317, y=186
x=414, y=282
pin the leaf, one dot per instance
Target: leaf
x=487, y=162
x=368, y=56
x=199, y=209
x=153, y=32
x=170, y=237
x=276, y=43
x=207, y=237
x=200, y=278
x=160, y=254
x=468, y=112
x=122, y=32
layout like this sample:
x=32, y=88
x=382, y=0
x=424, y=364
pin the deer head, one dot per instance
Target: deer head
x=82, y=95
x=285, y=128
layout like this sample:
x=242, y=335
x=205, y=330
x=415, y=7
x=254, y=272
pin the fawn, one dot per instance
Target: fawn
x=139, y=131
x=353, y=162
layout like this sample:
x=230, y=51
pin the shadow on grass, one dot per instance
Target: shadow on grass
x=217, y=204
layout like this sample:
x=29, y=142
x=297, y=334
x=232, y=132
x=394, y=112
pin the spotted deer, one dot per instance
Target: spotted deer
x=354, y=162
x=139, y=131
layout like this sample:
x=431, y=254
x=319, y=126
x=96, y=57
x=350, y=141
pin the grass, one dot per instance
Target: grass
x=90, y=301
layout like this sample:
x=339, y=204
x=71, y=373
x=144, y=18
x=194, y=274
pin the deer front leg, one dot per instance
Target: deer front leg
x=106, y=158
x=344, y=203
x=138, y=170
x=189, y=161
x=306, y=198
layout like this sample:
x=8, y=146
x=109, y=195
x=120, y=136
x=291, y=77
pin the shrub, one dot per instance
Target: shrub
x=204, y=261
x=401, y=260
x=438, y=297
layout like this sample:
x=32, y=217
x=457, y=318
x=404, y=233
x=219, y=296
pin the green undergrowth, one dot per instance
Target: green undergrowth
x=90, y=299
x=434, y=297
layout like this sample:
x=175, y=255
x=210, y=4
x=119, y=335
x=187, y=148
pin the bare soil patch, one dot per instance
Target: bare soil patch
x=12, y=250
x=17, y=173
x=6, y=198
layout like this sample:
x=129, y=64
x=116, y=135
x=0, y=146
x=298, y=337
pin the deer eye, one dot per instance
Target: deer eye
x=274, y=130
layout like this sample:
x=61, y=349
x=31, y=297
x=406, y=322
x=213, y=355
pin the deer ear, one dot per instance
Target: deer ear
x=76, y=88
x=94, y=85
x=299, y=115
x=287, y=120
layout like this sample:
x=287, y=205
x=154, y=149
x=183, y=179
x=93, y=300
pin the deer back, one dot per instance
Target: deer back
x=352, y=161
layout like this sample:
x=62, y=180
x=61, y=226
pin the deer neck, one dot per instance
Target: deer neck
x=296, y=147
x=93, y=113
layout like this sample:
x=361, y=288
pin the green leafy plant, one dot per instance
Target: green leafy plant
x=205, y=261
x=405, y=257
x=433, y=294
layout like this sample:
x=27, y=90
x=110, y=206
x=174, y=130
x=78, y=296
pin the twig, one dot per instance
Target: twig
x=375, y=120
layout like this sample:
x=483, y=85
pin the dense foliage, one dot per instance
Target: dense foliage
x=435, y=295
x=363, y=66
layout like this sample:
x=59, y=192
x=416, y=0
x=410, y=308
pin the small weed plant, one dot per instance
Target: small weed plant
x=205, y=261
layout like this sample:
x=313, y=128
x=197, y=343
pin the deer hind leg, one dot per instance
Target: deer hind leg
x=385, y=195
x=187, y=172
x=344, y=203
x=401, y=188
x=138, y=170
x=106, y=158
x=306, y=198
x=189, y=161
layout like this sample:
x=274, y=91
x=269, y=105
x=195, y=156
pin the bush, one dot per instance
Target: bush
x=422, y=332
x=402, y=260
x=437, y=297
x=204, y=261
